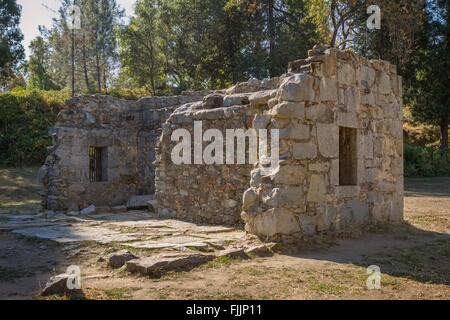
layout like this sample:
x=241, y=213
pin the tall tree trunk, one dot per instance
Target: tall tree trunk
x=231, y=48
x=444, y=120
x=73, y=61
x=85, y=67
x=444, y=133
x=271, y=27
x=97, y=62
x=105, y=87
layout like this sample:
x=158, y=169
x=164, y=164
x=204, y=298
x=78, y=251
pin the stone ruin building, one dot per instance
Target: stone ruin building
x=339, y=117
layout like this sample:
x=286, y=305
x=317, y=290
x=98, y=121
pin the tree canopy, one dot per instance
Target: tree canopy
x=11, y=50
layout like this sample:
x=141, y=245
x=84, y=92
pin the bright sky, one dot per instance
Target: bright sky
x=34, y=14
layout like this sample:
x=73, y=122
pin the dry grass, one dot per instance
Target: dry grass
x=19, y=189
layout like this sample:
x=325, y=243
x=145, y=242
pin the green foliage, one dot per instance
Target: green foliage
x=94, y=57
x=171, y=46
x=25, y=117
x=11, y=50
x=129, y=93
x=38, y=65
x=428, y=93
x=426, y=161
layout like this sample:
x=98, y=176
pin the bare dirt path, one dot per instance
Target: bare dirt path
x=414, y=260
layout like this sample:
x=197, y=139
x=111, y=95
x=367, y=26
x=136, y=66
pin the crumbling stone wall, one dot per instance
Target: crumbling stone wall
x=129, y=131
x=304, y=195
x=340, y=165
x=209, y=193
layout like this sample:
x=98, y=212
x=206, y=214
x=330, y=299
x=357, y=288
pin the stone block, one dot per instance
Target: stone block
x=249, y=199
x=348, y=192
x=289, y=110
x=303, y=151
x=346, y=74
x=273, y=222
x=328, y=90
x=236, y=100
x=384, y=83
x=326, y=218
x=308, y=225
x=298, y=88
x=261, y=121
x=296, y=131
x=262, y=97
x=259, y=251
x=321, y=167
x=285, y=196
x=346, y=119
x=89, y=210
x=156, y=266
x=352, y=99
x=360, y=211
x=328, y=140
x=368, y=75
x=334, y=172
x=118, y=259
x=317, y=189
x=289, y=175
x=365, y=146
x=139, y=202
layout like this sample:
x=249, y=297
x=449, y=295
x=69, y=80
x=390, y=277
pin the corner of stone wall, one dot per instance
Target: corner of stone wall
x=302, y=197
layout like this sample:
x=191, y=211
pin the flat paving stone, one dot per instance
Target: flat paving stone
x=170, y=243
x=65, y=234
x=158, y=265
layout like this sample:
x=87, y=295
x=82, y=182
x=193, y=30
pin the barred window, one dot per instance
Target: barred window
x=98, y=157
x=348, y=157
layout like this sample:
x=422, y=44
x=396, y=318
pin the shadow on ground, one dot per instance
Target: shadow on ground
x=418, y=249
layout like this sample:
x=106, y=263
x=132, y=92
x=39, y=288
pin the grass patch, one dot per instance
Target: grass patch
x=425, y=263
x=19, y=189
x=119, y=293
x=221, y=262
x=325, y=287
x=9, y=274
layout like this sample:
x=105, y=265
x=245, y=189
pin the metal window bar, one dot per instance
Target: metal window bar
x=95, y=164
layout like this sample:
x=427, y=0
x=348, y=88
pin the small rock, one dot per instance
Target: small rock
x=158, y=265
x=49, y=214
x=103, y=209
x=235, y=100
x=213, y=101
x=234, y=253
x=89, y=210
x=152, y=205
x=57, y=285
x=259, y=251
x=230, y=203
x=139, y=202
x=262, y=97
x=119, y=209
x=42, y=176
x=118, y=259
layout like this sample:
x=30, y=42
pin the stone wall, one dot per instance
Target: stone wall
x=128, y=130
x=341, y=151
x=305, y=195
x=209, y=193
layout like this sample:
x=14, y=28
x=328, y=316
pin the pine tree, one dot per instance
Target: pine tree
x=11, y=50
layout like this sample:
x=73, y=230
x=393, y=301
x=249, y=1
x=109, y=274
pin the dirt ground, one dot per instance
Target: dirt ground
x=414, y=259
